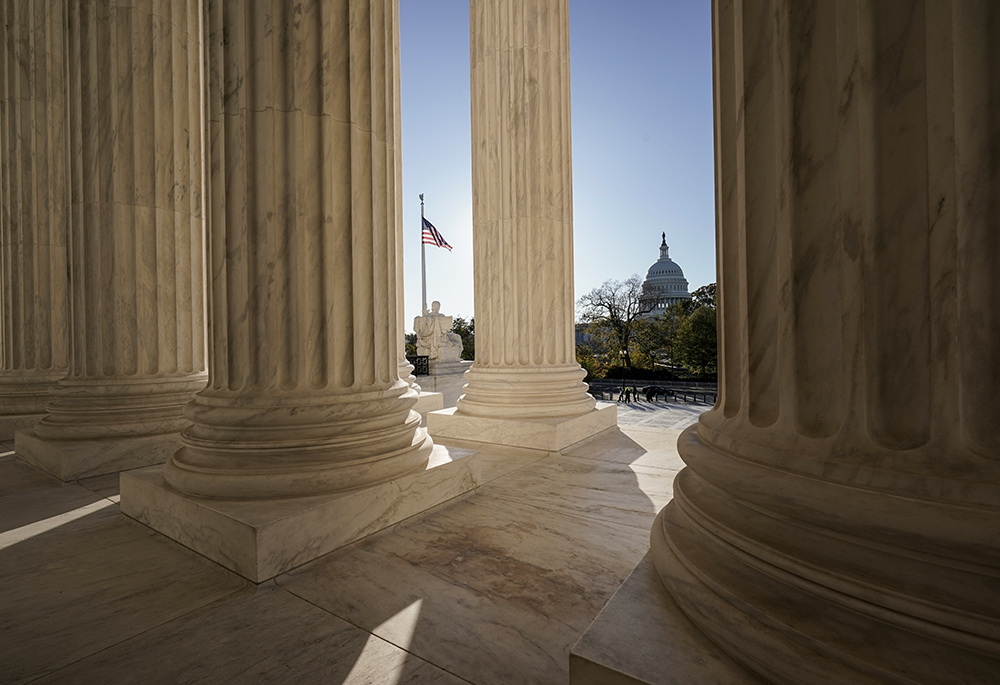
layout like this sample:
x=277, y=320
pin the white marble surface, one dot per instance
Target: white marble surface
x=262, y=538
x=75, y=459
x=642, y=636
x=551, y=434
x=488, y=588
x=429, y=401
x=502, y=589
x=281, y=638
x=450, y=382
x=91, y=583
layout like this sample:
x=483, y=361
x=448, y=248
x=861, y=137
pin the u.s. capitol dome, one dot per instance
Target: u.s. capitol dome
x=664, y=284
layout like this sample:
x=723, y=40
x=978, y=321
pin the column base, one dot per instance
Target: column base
x=75, y=459
x=259, y=539
x=17, y=422
x=429, y=401
x=641, y=636
x=543, y=434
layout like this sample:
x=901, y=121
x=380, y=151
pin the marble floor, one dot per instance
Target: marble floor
x=493, y=587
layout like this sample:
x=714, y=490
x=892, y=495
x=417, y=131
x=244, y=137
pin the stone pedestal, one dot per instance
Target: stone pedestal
x=837, y=520
x=525, y=370
x=34, y=201
x=261, y=538
x=305, y=436
x=136, y=240
x=552, y=434
x=428, y=401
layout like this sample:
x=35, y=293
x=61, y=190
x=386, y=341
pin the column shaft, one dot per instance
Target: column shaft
x=136, y=226
x=304, y=394
x=837, y=518
x=33, y=207
x=525, y=363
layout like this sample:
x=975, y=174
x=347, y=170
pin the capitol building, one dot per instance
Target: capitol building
x=664, y=284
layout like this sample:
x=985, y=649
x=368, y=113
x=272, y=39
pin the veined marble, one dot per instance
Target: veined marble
x=34, y=209
x=837, y=520
x=262, y=538
x=525, y=387
x=136, y=231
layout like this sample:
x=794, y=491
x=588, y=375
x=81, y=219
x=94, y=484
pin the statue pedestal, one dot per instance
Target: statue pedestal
x=446, y=378
x=428, y=401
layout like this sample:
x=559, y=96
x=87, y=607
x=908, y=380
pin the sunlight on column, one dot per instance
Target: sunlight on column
x=12, y=537
x=375, y=658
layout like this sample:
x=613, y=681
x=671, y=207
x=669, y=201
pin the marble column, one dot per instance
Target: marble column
x=837, y=520
x=34, y=200
x=305, y=437
x=525, y=378
x=136, y=248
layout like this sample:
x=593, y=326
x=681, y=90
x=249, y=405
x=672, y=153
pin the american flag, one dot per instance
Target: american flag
x=432, y=236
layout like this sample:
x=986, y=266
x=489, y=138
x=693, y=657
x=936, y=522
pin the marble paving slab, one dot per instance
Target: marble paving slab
x=642, y=636
x=105, y=486
x=639, y=446
x=660, y=415
x=598, y=490
x=259, y=635
x=44, y=508
x=91, y=583
x=498, y=460
x=19, y=477
x=492, y=591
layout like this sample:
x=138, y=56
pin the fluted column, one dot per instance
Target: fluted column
x=837, y=520
x=525, y=365
x=34, y=310
x=305, y=394
x=136, y=237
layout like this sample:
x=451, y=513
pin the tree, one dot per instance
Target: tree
x=614, y=310
x=696, y=345
x=411, y=343
x=704, y=296
x=467, y=331
x=661, y=334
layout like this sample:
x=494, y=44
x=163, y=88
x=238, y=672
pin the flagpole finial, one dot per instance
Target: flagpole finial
x=421, y=198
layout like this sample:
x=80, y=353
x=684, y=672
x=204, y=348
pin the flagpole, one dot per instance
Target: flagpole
x=423, y=258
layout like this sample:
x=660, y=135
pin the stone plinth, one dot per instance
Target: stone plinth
x=10, y=425
x=261, y=538
x=448, y=379
x=551, y=434
x=75, y=459
x=429, y=401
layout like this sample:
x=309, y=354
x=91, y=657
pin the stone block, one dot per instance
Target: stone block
x=75, y=459
x=19, y=422
x=544, y=434
x=261, y=538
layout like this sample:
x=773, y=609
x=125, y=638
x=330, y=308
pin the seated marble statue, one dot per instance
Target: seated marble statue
x=435, y=338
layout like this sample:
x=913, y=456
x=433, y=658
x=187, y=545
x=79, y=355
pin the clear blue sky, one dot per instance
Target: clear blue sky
x=642, y=142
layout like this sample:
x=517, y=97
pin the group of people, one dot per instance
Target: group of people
x=630, y=394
